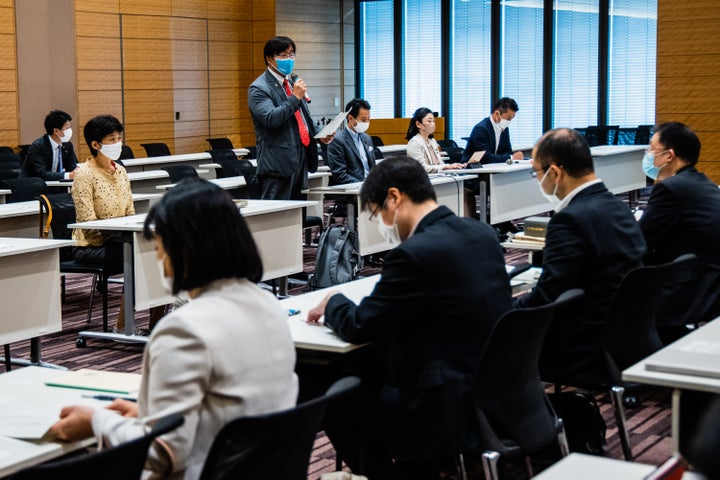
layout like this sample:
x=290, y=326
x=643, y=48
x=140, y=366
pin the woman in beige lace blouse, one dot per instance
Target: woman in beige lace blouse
x=101, y=189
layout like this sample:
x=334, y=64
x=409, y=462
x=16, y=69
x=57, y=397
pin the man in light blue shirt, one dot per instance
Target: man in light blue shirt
x=351, y=155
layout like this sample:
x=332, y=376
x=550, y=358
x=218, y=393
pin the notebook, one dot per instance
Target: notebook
x=698, y=358
x=112, y=382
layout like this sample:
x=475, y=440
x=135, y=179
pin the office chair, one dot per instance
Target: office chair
x=643, y=134
x=226, y=158
x=452, y=149
x=24, y=189
x=514, y=416
x=602, y=135
x=120, y=462
x=630, y=336
x=56, y=212
x=249, y=171
x=156, y=149
x=10, y=165
x=220, y=143
x=276, y=445
x=180, y=172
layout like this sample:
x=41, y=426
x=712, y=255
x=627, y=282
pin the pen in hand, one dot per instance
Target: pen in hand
x=109, y=398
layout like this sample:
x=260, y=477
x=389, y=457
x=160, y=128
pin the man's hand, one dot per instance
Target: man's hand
x=299, y=89
x=72, y=174
x=518, y=156
x=126, y=408
x=75, y=424
x=328, y=139
x=317, y=312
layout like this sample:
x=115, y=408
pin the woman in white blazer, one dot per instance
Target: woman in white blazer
x=225, y=354
x=423, y=148
x=421, y=144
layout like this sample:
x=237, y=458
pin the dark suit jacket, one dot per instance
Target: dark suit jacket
x=683, y=216
x=38, y=162
x=276, y=130
x=440, y=293
x=482, y=137
x=590, y=244
x=344, y=160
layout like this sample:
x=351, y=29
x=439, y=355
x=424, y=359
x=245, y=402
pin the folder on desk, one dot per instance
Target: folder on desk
x=697, y=358
x=111, y=382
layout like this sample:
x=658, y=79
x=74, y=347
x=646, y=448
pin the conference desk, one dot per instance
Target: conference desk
x=30, y=290
x=28, y=399
x=192, y=159
x=448, y=189
x=704, y=343
x=589, y=467
x=22, y=219
x=140, y=182
x=3, y=194
x=276, y=227
x=514, y=193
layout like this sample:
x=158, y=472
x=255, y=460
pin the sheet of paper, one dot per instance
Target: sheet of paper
x=334, y=124
x=22, y=420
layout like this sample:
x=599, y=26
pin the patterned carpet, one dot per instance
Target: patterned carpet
x=649, y=424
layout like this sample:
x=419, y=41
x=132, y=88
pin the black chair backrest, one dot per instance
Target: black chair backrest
x=228, y=160
x=180, y=172
x=602, y=135
x=447, y=144
x=121, y=462
x=6, y=149
x=509, y=397
x=156, y=149
x=377, y=141
x=276, y=445
x=24, y=189
x=249, y=171
x=252, y=151
x=220, y=143
x=10, y=164
x=643, y=133
x=630, y=330
x=126, y=153
x=9, y=157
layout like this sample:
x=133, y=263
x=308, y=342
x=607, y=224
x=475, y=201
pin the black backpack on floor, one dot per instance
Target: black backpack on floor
x=338, y=260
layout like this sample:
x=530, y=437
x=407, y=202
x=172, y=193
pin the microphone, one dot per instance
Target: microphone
x=294, y=77
x=509, y=161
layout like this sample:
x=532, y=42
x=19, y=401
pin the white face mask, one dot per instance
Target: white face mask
x=390, y=233
x=112, y=151
x=361, y=127
x=503, y=123
x=552, y=198
x=166, y=282
x=66, y=136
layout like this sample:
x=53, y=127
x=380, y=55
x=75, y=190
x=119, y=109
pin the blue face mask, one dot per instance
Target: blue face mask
x=648, y=165
x=285, y=65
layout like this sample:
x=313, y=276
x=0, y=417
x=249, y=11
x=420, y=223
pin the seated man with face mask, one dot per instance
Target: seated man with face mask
x=682, y=216
x=351, y=155
x=592, y=242
x=442, y=289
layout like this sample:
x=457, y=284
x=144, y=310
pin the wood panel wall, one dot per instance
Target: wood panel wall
x=9, y=133
x=688, y=73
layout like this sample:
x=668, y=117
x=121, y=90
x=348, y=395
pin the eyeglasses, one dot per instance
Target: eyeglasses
x=285, y=56
x=534, y=173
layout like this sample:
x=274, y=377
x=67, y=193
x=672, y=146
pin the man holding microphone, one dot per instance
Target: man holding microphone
x=284, y=130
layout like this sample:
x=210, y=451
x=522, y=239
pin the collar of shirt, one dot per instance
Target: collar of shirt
x=568, y=198
x=53, y=143
x=277, y=76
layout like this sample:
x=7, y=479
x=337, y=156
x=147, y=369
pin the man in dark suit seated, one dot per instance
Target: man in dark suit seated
x=442, y=289
x=492, y=135
x=351, y=155
x=682, y=216
x=52, y=156
x=592, y=242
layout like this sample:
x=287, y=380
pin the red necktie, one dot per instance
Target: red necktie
x=304, y=135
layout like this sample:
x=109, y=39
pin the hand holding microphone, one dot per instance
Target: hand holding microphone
x=299, y=87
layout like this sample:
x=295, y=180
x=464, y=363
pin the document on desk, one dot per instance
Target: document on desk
x=334, y=124
x=698, y=358
x=20, y=419
x=96, y=380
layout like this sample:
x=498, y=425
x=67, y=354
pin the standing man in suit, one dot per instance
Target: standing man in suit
x=351, y=155
x=592, y=242
x=682, y=216
x=492, y=135
x=52, y=156
x=431, y=333
x=284, y=131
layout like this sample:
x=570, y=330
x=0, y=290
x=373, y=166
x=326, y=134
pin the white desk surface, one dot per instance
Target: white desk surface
x=605, y=150
x=17, y=246
x=354, y=188
x=517, y=165
x=710, y=332
x=589, y=467
x=399, y=148
x=134, y=223
x=19, y=209
x=320, y=337
x=186, y=157
x=26, y=387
